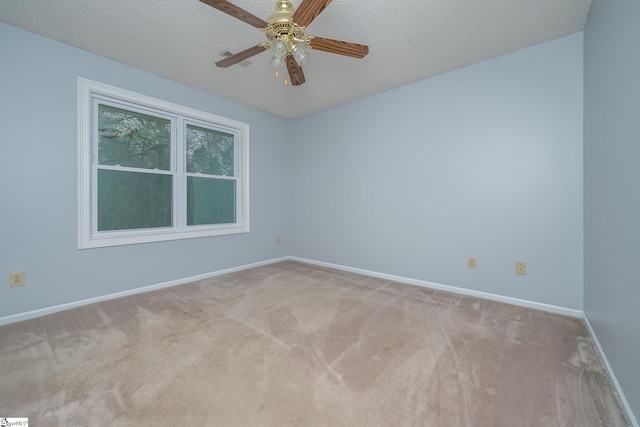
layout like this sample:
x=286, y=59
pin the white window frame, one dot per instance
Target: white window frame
x=88, y=236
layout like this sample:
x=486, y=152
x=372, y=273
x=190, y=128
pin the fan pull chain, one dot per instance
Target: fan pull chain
x=286, y=81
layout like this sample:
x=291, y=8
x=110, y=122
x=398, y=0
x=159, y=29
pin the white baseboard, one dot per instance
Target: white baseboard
x=494, y=297
x=425, y=284
x=616, y=384
x=422, y=283
x=54, y=309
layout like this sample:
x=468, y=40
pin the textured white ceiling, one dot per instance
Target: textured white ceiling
x=408, y=41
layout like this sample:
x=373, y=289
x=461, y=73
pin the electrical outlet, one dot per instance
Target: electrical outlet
x=16, y=279
x=277, y=240
x=521, y=268
x=471, y=262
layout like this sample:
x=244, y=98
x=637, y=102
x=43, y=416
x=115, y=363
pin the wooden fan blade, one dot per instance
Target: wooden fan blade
x=341, y=48
x=236, y=12
x=308, y=10
x=240, y=56
x=295, y=71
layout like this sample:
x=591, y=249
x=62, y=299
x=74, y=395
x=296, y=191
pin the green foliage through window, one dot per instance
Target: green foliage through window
x=150, y=170
x=209, y=152
x=131, y=200
x=131, y=139
x=210, y=201
x=139, y=196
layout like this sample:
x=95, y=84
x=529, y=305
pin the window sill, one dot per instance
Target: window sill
x=159, y=235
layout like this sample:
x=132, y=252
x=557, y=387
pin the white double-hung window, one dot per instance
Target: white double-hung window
x=150, y=170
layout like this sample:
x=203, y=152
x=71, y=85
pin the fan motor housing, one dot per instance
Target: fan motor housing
x=283, y=13
x=282, y=27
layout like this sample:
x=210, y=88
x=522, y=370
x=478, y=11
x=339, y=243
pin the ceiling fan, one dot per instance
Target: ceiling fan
x=285, y=29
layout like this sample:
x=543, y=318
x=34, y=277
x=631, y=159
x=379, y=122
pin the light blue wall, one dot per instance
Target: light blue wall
x=612, y=178
x=485, y=161
x=38, y=229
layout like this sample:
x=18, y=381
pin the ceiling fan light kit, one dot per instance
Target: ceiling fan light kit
x=287, y=38
x=285, y=29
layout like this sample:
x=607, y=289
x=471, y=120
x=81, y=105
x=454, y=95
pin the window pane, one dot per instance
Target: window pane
x=209, y=151
x=211, y=201
x=130, y=200
x=132, y=139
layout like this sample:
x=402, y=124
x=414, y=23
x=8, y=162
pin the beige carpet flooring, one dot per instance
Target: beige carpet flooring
x=292, y=344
